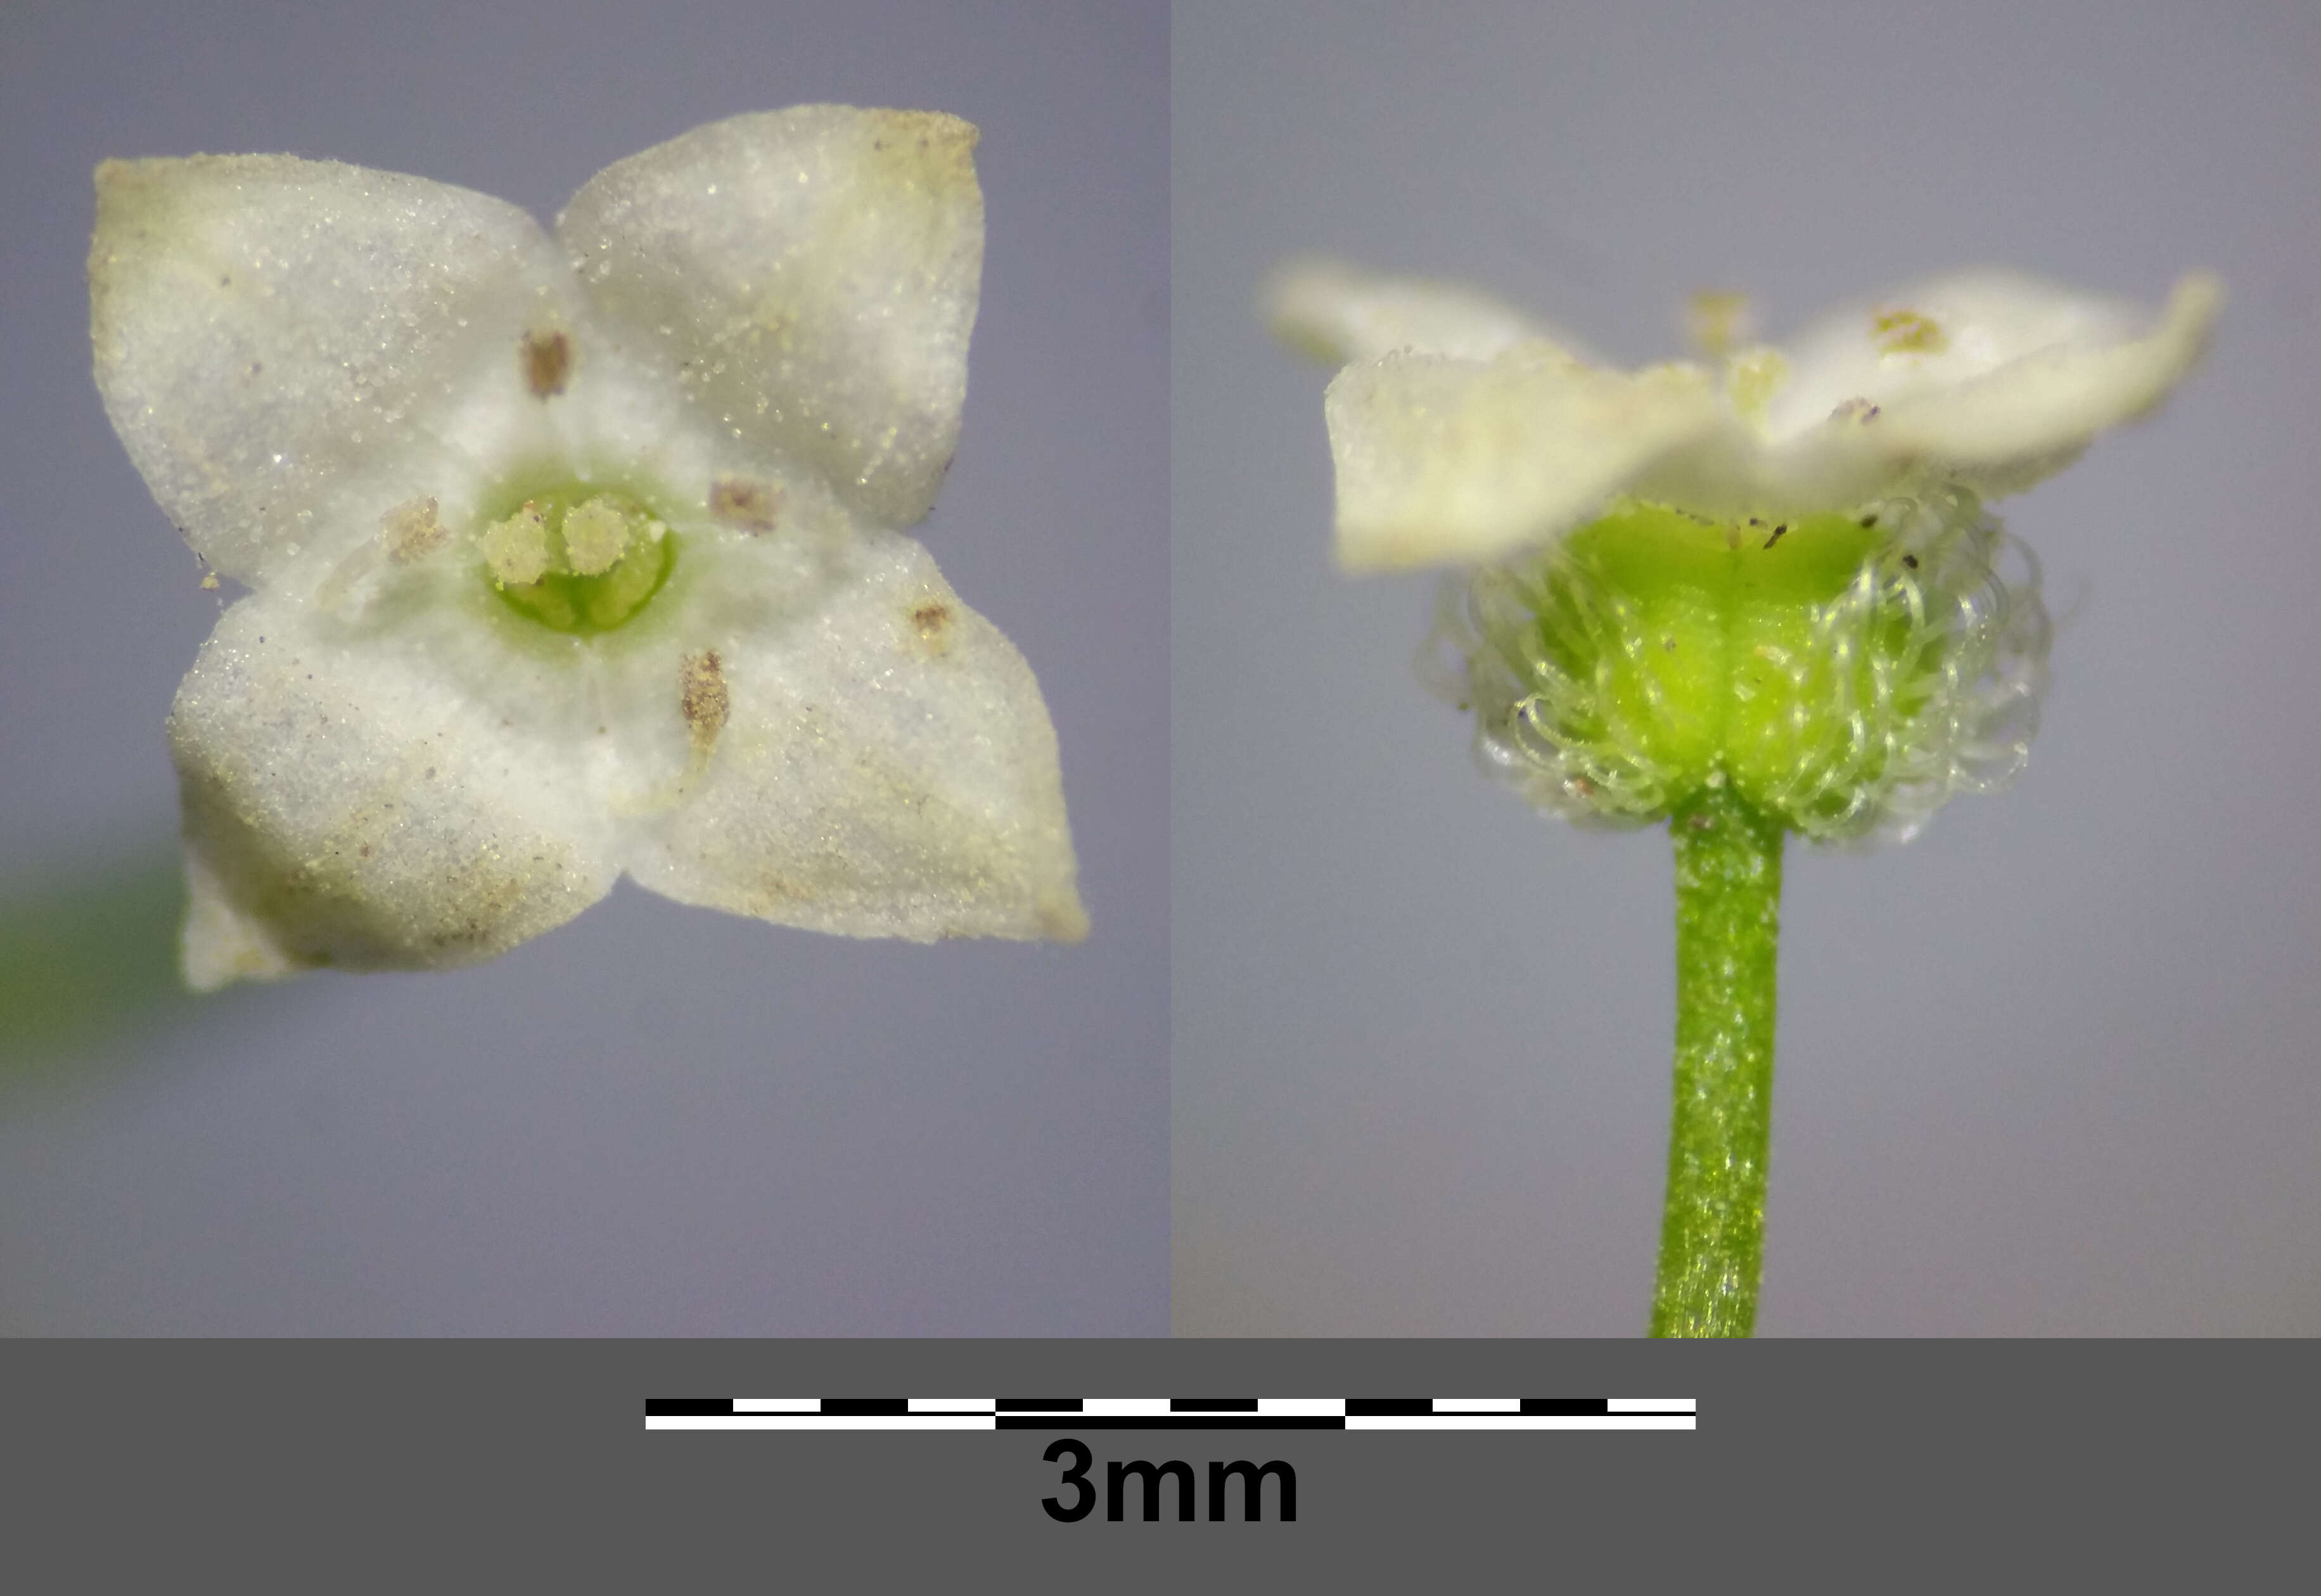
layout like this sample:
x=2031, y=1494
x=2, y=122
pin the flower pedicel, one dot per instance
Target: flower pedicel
x=577, y=555
x=1748, y=597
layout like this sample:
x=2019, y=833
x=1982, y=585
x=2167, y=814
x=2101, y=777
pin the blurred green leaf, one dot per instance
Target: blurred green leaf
x=87, y=953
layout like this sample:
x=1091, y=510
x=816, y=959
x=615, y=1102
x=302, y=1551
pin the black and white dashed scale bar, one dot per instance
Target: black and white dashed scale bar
x=1172, y=1413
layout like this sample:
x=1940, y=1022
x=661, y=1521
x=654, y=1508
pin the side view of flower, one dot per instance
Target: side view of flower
x=1772, y=567
x=577, y=555
x=1747, y=596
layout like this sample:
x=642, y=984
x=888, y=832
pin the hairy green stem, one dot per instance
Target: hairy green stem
x=1728, y=922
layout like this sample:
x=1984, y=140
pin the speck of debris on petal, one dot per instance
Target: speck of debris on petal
x=547, y=362
x=745, y=502
x=702, y=696
x=410, y=530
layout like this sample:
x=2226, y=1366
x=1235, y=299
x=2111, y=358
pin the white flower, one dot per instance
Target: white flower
x=1464, y=431
x=1772, y=571
x=575, y=555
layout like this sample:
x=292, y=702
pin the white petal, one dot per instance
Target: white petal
x=344, y=805
x=1337, y=312
x=280, y=342
x=808, y=277
x=1992, y=379
x=881, y=764
x=1732, y=474
x=1444, y=460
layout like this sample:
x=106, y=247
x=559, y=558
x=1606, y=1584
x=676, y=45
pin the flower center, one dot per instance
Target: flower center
x=577, y=559
x=1840, y=671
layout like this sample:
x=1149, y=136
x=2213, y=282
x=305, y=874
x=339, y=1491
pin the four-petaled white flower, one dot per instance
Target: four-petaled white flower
x=575, y=555
x=1464, y=430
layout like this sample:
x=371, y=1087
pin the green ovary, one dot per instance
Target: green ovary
x=1653, y=653
x=576, y=558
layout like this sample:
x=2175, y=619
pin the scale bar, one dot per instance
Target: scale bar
x=1182, y=1413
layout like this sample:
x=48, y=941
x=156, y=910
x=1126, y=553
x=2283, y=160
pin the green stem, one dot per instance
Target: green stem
x=1729, y=924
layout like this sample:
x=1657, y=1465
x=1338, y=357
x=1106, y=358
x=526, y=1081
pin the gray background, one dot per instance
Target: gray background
x=2049, y=1068
x=657, y=1120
